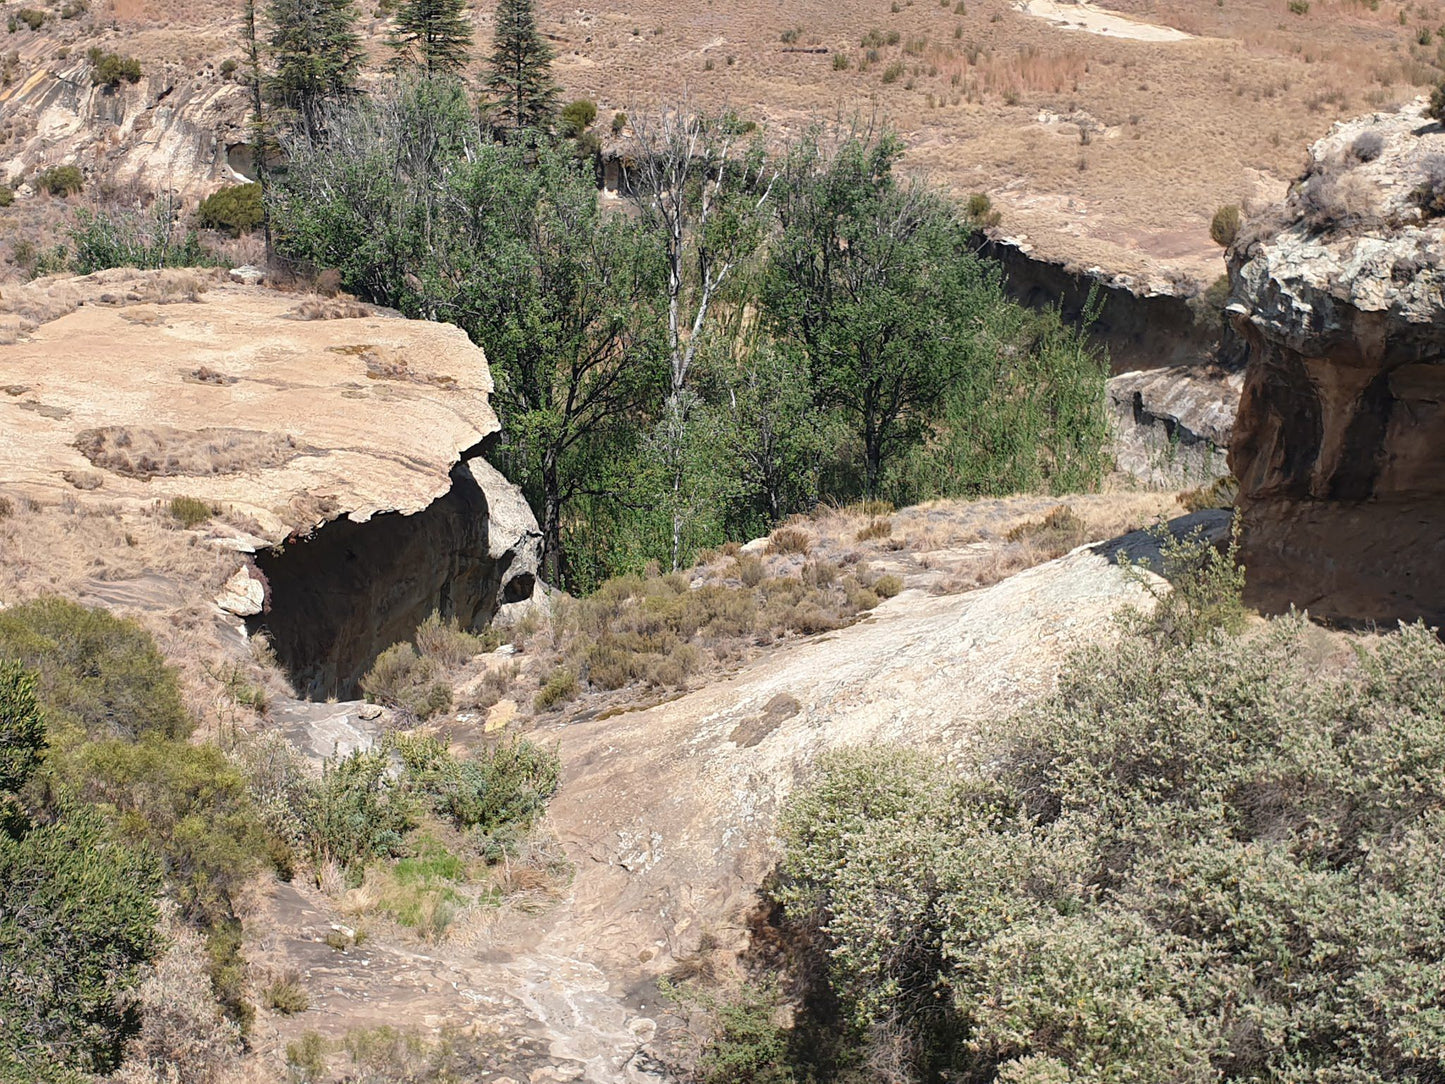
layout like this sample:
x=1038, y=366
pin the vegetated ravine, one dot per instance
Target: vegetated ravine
x=341, y=596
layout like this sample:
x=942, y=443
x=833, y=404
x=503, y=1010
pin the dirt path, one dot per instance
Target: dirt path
x=667, y=816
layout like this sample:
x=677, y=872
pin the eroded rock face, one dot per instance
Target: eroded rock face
x=344, y=453
x=1338, y=443
x=1172, y=426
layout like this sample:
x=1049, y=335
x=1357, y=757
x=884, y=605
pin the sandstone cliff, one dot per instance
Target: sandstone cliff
x=1338, y=440
x=339, y=443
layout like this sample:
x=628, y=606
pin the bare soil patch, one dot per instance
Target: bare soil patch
x=163, y=451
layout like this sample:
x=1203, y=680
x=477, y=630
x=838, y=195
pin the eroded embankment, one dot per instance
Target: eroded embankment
x=1141, y=330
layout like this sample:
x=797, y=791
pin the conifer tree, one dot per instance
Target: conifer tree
x=316, y=53
x=433, y=34
x=521, y=69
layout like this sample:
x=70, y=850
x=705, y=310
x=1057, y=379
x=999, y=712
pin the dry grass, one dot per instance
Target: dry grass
x=26, y=306
x=163, y=451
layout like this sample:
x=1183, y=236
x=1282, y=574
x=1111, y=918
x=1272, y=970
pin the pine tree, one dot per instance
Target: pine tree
x=316, y=53
x=433, y=34
x=521, y=75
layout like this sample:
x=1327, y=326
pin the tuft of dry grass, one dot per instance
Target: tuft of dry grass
x=164, y=451
x=790, y=540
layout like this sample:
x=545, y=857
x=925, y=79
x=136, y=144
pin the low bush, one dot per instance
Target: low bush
x=1056, y=534
x=189, y=512
x=1202, y=594
x=790, y=540
x=7, y=195
x=1224, y=226
x=111, y=69
x=560, y=686
x=505, y=787
x=60, y=181
x=1367, y=146
x=99, y=676
x=408, y=682
x=151, y=242
x=1202, y=863
x=285, y=995
x=444, y=641
x=876, y=528
x=358, y=812
x=236, y=209
x=28, y=17
x=577, y=116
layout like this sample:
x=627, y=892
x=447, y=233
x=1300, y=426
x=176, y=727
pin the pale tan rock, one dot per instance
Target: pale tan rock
x=243, y=594
x=286, y=421
x=499, y=716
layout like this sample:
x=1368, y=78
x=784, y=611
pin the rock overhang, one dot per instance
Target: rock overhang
x=239, y=400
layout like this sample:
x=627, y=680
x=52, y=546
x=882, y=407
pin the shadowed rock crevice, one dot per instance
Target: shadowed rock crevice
x=341, y=596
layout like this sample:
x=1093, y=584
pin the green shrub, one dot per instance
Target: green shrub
x=149, y=242
x=1224, y=226
x=31, y=18
x=888, y=585
x=1181, y=851
x=444, y=641
x=110, y=69
x=1204, y=590
x=60, y=181
x=408, y=682
x=189, y=511
x=619, y=122
x=577, y=116
x=560, y=686
x=286, y=995
x=77, y=926
x=358, y=812
x=228, y=68
x=7, y=195
x=1436, y=110
x=504, y=787
x=742, y=1042
x=99, y=676
x=236, y=209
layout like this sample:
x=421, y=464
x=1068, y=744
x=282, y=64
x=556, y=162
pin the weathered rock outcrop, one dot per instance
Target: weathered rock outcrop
x=339, y=443
x=175, y=130
x=1172, y=426
x=1339, y=439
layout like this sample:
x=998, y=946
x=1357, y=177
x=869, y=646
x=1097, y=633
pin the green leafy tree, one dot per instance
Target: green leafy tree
x=433, y=34
x=315, y=54
x=520, y=79
x=510, y=244
x=876, y=279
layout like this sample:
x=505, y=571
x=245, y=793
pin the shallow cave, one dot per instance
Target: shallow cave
x=341, y=596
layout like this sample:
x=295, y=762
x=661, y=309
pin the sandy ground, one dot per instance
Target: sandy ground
x=1093, y=20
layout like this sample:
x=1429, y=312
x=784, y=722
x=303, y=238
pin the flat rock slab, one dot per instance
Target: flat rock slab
x=245, y=401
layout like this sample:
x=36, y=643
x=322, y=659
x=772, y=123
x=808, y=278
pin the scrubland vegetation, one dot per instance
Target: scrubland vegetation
x=124, y=845
x=1205, y=857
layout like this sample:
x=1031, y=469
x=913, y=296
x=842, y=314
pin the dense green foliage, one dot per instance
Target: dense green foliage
x=434, y=35
x=524, y=95
x=125, y=239
x=98, y=676
x=315, y=54
x=61, y=180
x=1195, y=862
x=110, y=69
x=77, y=911
x=77, y=924
x=647, y=411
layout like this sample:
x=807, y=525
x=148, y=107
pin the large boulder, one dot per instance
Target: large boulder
x=1342, y=421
